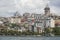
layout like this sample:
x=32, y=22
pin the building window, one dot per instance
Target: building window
x=49, y=21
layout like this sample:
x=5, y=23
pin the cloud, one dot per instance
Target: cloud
x=31, y=5
x=55, y=6
x=55, y=3
x=7, y=6
x=36, y=6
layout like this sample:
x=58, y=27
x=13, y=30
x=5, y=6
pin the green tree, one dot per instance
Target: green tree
x=56, y=30
x=47, y=30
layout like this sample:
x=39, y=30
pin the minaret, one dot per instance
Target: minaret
x=16, y=14
x=47, y=10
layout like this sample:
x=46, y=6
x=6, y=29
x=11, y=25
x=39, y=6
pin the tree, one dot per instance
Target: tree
x=47, y=30
x=56, y=30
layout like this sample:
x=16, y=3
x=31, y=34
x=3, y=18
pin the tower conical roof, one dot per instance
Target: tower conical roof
x=47, y=7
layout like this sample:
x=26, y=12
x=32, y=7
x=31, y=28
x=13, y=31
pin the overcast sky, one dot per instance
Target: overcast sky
x=9, y=7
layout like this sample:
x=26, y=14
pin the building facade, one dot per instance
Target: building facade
x=15, y=19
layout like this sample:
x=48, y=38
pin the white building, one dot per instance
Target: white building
x=16, y=18
x=50, y=22
x=44, y=20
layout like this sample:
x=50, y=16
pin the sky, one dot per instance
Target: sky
x=9, y=7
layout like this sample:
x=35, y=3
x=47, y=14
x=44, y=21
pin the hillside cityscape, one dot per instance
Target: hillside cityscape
x=31, y=24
